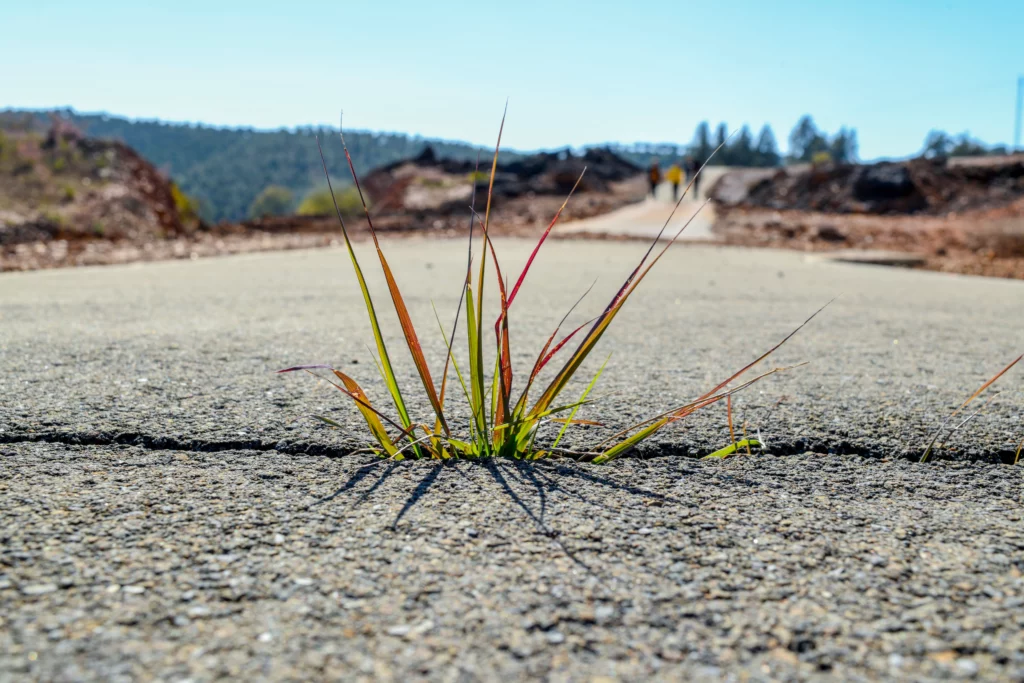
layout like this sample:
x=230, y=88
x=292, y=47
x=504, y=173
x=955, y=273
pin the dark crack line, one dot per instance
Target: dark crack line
x=170, y=443
x=652, y=451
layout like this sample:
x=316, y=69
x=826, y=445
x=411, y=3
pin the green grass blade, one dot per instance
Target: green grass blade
x=583, y=397
x=385, y=359
x=476, y=372
x=732, y=448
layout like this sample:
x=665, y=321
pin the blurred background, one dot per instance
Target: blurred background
x=223, y=100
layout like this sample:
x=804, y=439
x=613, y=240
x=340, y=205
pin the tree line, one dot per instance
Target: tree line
x=743, y=148
x=807, y=143
x=228, y=171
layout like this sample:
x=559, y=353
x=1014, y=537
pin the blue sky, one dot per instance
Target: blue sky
x=575, y=72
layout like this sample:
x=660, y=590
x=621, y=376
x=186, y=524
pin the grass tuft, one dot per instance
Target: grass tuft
x=502, y=424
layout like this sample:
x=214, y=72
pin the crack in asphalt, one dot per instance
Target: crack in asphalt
x=797, y=446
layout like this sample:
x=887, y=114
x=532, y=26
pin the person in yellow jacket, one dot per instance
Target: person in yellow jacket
x=674, y=175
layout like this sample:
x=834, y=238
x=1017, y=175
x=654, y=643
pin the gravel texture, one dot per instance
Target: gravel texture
x=184, y=353
x=123, y=563
x=169, y=512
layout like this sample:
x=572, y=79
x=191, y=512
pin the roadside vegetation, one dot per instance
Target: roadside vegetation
x=322, y=202
x=502, y=424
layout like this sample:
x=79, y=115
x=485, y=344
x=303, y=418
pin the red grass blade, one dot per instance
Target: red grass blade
x=385, y=359
x=567, y=421
x=543, y=237
x=356, y=393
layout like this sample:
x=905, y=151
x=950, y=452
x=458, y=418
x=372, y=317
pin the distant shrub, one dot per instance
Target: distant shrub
x=188, y=207
x=274, y=200
x=53, y=218
x=59, y=164
x=319, y=203
x=68, y=193
x=819, y=158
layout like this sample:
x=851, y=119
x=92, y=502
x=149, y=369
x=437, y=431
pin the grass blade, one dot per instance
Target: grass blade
x=411, y=339
x=385, y=360
x=583, y=397
x=732, y=448
x=543, y=237
x=982, y=388
x=356, y=393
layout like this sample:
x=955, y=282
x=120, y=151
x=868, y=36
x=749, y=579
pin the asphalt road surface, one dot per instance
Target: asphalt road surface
x=186, y=351
x=167, y=511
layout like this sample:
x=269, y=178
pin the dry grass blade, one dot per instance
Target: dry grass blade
x=981, y=389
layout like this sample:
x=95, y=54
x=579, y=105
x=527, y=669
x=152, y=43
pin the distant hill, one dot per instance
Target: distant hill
x=63, y=186
x=224, y=169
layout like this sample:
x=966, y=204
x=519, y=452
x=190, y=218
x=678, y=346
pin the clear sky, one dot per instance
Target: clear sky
x=575, y=72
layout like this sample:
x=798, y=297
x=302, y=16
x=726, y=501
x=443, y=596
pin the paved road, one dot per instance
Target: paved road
x=646, y=219
x=122, y=564
x=185, y=351
x=267, y=560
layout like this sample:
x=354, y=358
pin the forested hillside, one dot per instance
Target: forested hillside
x=225, y=169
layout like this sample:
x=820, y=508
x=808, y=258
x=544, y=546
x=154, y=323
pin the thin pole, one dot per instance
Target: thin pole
x=1020, y=106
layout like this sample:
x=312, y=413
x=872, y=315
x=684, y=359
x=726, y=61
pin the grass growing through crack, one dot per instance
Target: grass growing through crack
x=501, y=423
x=970, y=399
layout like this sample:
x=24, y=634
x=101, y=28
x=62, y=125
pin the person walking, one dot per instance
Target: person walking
x=693, y=171
x=654, y=175
x=674, y=175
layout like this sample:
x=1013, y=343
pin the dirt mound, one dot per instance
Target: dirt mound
x=930, y=187
x=63, y=185
x=429, y=183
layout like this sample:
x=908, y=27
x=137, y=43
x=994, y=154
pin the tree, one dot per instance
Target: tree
x=232, y=166
x=937, y=144
x=721, y=136
x=741, y=151
x=701, y=147
x=966, y=147
x=767, y=151
x=274, y=200
x=805, y=140
x=843, y=147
